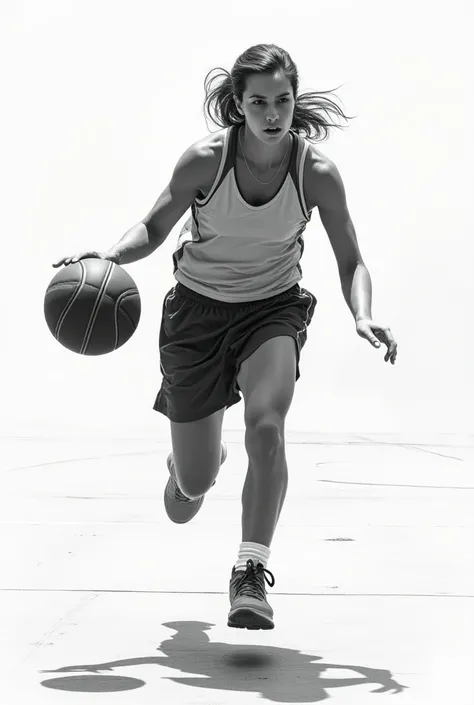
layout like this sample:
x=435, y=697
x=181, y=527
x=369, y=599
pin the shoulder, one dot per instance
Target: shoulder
x=323, y=178
x=210, y=147
x=207, y=153
x=319, y=164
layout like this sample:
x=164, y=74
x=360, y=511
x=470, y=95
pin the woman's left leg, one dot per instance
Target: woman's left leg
x=267, y=382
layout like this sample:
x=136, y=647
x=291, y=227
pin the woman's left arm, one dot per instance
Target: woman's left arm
x=330, y=197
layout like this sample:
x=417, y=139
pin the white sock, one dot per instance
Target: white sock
x=256, y=551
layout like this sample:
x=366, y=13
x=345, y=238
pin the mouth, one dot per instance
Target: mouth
x=272, y=130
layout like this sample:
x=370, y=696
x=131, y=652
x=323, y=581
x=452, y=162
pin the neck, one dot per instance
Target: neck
x=260, y=155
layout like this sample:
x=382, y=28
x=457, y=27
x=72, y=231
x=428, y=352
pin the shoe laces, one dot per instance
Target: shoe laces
x=178, y=495
x=251, y=582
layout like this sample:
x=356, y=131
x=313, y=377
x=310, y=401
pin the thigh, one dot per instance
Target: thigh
x=197, y=448
x=267, y=379
x=197, y=371
x=269, y=351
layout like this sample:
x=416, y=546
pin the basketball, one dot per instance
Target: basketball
x=92, y=307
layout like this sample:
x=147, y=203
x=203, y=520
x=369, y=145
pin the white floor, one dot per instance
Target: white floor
x=104, y=600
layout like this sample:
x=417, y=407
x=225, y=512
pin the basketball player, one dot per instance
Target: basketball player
x=237, y=319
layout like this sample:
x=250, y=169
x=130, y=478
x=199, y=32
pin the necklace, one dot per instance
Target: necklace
x=261, y=182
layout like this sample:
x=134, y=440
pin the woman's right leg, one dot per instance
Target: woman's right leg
x=197, y=453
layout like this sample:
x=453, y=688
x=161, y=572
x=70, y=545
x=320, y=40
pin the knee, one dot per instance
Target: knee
x=264, y=435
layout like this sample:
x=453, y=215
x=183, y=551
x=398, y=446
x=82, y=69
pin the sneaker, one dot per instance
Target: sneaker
x=180, y=508
x=249, y=608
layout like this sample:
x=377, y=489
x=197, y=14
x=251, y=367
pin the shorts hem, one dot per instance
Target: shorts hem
x=267, y=333
x=198, y=415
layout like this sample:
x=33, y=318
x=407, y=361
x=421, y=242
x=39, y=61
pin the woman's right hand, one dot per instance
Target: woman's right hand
x=83, y=255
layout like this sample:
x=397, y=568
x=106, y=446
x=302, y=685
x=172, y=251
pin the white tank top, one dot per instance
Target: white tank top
x=232, y=251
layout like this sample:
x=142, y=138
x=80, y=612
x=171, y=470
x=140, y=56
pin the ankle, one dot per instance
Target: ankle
x=256, y=551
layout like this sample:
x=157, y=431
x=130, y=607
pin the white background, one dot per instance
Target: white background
x=101, y=98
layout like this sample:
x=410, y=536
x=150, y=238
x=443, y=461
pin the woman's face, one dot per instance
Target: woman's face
x=267, y=101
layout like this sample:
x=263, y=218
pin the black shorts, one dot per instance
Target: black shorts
x=203, y=342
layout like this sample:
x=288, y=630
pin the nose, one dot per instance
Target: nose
x=272, y=115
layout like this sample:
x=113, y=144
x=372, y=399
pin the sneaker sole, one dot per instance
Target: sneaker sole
x=245, y=618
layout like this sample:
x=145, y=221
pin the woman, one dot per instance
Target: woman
x=237, y=319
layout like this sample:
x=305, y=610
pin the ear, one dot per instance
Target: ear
x=237, y=103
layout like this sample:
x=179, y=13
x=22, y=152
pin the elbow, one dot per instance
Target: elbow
x=149, y=225
x=152, y=230
x=347, y=270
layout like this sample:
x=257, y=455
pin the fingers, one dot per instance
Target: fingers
x=66, y=261
x=391, y=353
x=387, y=338
x=74, y=258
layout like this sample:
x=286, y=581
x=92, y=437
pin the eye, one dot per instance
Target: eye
x=259, y=101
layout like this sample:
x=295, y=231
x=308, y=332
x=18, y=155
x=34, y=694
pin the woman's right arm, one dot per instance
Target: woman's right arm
x=143, y=239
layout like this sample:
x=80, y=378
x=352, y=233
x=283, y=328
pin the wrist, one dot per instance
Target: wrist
x=116, y=254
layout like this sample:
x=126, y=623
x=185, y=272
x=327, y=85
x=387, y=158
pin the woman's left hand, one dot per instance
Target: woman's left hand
x=374, y=332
